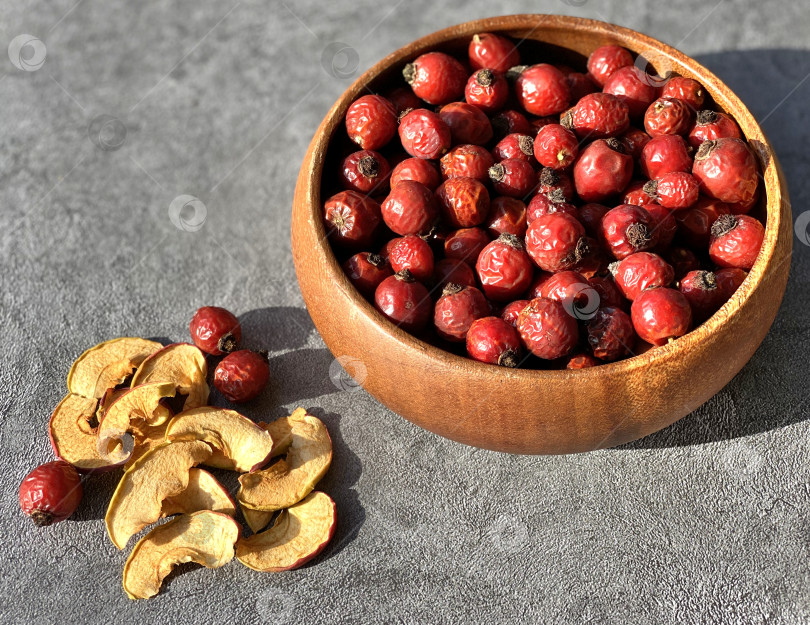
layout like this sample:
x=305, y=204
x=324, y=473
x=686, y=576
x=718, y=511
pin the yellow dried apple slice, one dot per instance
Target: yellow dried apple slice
x=161, y=473
x=107, y=365
x=138, y=407
x=280, y=431
x=183, y=365
x=289, y=480
x=240, y=444
x=146, y=438
x=299, y=534
x=203, y=537
x=257, y=520
x=72, y=430
x=202, y=493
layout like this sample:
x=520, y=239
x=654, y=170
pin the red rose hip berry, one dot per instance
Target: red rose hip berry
x=352, y=219
x=507, y=215
x=556, y=147
x=660, y=314
x=605, y=60
x=424, y=134
x=464, y=202
x=726, y=170
x=414, y=254
x=215, y=330
x=487, y=90
x=487, y=50
x=513, y=177
x=555, y=241
x=729, y=280
x=711, y=125
x=465, y=244
x=436, y=77
x=467, y=123
x=456, y=310
x=736, y=241
x=51, y=493
x=418, y=170
x=512, y=310
x=494, y=341
x=675, y=190
x=632, y=87
x=701, y=290
x=453, y=270
x=547, y=330
x=365, y=171
x=627, y=229
x=610, y=334
x=543, y=90
x=664, y=154
x=667, y=116
x=242, y=375
x=410, y=208
x=509, y=122
x=404, y=302
x=598, y=115
x=602, y=170
x=504, y=269
x=687, y=90
x=371, y=122
x=640, y=271
x=515, y=146
x=467, y=161
x=366, y=270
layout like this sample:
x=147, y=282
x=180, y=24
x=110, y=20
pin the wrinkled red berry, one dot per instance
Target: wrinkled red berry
x=726, y=170
x=665, y=226
x=365, y=171
x=640, y=271
x=51, y=493
x=423, y=134
x=352, y=219
x=729, y=280
x=553, y=241
x=660, y=314
x=513, y=177
x=404, y=302
x=572, y=290
x=542, y=90
x=487, y=50
x=504, y=268
x=627, y=229
x=456, y=310
x=632, y=87
x=634, y=140
x=494, y=341
x=682, y=260
x=464, y=202
x=602, y=170
x=674, y=190
x=687, y=90
x=242, y=375
x=546, y=203
x=547, y=330
x=366, y=270
x=610, y=334
x=510, y=122
x=371, y=122
x=711, y=125
x=605, y=60
x=736, y=241
x=598, y=115
x=453, y=270
x=512, y=310
x=467, y=123
x=418, y=170
x=414, y=254
x=590, y=215
x=488, y=90
x=636, y=195
x=667, y=116
x=436, y=77
x=695, y=223
x=552, y=180
x=467, y=161
x=215, y=330
x=410, y=208
x=703, y=294
x=516, y=146
x=556, y=147
x=664, y=154
x=507, y=215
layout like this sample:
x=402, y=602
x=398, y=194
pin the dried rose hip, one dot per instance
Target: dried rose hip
x=660, y=314
x=513, y=177
x=424, y=134
x=556, y=147
x=515, y=146
x=674, y=190
x=726, y=170
x=467, y=161
x=546, y=203
x=464, y=202
x=547, y=330
x=687, y=90
x=215, y=330
x=711, y=125
x=664, y=154
x=512, y=310
x=627, y=229
x=51, y=493
x=554, y=241
x=352, y=219
x=466, y=244
x=636, y=195
x=598, y=115
x=640, y=271
x=366, y=270
x=634, y=140
x=410, y=208
x=418, y=170
x=510, y=122
x=551, y=180
x=610, y=334
x=487, y=90
x=735, y=241
x=365, y=171
x=570, y=288
x=404, y=302
x=703, y=294
x=507, y=215
x=665, y=225
x=695, y=223
x=729, y=280
x=371, y=122
x=436, y=77
x=467, y=123
x=504, y=269
x=494, y=341
x=632, y=87
x=607, y=291
x=456, y=310
x=414, y=254
x=543, y=90
x=492, y=51
x=242, y=375
x=605, y=60
x=453, y=270
x=602, y=170
x=667, y=116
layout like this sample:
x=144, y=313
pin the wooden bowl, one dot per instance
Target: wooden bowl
x=522, y=410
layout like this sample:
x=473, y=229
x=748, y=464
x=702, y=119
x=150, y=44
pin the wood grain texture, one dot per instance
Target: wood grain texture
x=531, y=411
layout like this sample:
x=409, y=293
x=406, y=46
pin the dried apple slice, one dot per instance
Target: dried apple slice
x=146, y=438
x=240, y=444
x=280, y=431
x=161, y=473
x=299, y=534
x=257, y=520
x=183, y=365
x=138, y=407
x=72, y=430
x=107, y=365
x=289, y=480
x=203, y=537
x=202, y=493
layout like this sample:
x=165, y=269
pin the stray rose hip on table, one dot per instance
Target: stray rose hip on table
x=542, y=216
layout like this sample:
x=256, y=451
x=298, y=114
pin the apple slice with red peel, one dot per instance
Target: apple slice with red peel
x=257, y=520
x=203, y=537
x=161, y=473
x=137, y=408
x=280, y=431
x=72, y=430
x=107, y=365
x=299, y=534
x=240, y=444
x=290, y=479
x=203, y=492
x=146, y=438
x=183, y=365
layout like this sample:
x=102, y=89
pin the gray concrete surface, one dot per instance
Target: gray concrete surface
x=705, y=522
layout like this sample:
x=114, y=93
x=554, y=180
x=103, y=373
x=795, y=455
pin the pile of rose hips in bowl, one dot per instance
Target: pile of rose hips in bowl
x=579, y=217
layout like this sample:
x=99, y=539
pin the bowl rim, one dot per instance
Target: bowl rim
x=722, y=94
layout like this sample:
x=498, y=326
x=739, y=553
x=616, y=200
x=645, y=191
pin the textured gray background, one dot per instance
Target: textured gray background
x=703, y=522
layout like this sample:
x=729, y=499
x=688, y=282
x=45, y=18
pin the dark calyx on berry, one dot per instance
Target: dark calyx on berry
x=451, y=288
x=227, y=343
x=557, y=196
x=723, y=224
x=705, y=149
x=614, y=144
x=526, y=145
x=705, y=117
x=405, y=276
x=409, y=73
x=511, y=240
x=508, y=359
x=368, y=166
x=651, y=188
x=549, y=177
x=567, y=120
x=485, y=77
x=638, y=235
x=376, y=260
x=513, y=72
x=497, y=172
x=705, y=280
